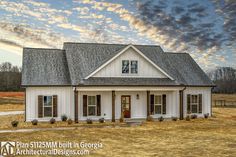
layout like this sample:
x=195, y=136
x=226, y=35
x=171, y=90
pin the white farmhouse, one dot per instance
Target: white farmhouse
x=92, y=80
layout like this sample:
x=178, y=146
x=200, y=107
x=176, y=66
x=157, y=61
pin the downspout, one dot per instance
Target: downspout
x=25, y=104
x=181, y=95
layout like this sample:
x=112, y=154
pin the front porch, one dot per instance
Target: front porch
x=133, y=103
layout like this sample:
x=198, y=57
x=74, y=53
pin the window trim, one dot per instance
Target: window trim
x=158, y=104
x=128, y=67
x=91, y=105
x=47, y=106
x=131, y=66
x=197, y=103
x=129, y=73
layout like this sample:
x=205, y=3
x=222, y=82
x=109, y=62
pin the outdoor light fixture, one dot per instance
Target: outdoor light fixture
x=137, y=96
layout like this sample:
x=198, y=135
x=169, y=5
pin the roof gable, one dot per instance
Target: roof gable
x=132, y=50
x=84, y=58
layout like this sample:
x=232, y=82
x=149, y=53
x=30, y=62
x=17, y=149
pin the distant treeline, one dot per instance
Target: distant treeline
x=10, y=77
x=223, y=77
x=225, y=80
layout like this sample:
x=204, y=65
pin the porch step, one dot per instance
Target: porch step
x=133, y=123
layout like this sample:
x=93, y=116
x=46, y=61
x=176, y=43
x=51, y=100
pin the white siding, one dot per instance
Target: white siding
x=172, y=105
x=145, y=69
x=206, y=99
x=138, y=106
x=65, y=101
x=106, y=105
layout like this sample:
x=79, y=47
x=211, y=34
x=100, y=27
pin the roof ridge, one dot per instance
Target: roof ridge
x=176, y=52
x=109, y=44
x=147, y=45
x=94, y=43
x=43, y=48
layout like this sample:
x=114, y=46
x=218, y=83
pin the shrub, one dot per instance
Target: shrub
x=89, y=121
x=101, y=120
x=174, y=118
x=149, y=118
x=160, y=119
x=52, y=121
x=187, y=118
x=69, y=121
x=206, y=115
x=14, y=123
x=64, y=117
x=34, y=122
x=194, y=116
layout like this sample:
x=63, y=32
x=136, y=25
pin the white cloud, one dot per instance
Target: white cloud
x=82, y=10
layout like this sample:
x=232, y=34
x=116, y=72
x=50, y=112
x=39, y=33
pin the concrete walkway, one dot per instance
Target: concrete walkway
x=36, y=129
x=11, y=113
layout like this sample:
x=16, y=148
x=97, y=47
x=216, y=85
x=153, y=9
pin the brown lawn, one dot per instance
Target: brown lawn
x=201, y=137
x=11, y=101
x=227, y=97
x=230, y=100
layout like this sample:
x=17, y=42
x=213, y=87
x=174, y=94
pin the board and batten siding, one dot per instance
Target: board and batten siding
x=106, y=107
x=138, y=106
x=65, y=101
x=114, y=69
x=172, y=105
x=206, y=99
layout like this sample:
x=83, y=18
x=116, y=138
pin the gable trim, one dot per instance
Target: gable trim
x=121, y=52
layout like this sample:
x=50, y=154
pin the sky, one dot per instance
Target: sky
x=206, y=29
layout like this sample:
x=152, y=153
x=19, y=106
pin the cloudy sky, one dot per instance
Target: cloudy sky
x=204, y=28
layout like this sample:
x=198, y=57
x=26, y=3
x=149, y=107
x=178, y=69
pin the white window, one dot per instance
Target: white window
x=125, y=66
x=134, y=67
x=92, y=106
x=129, y=67
x=47, y=106
x=194, y=103
x=158, y=104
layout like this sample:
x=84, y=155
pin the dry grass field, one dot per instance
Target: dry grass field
x=230, y=99
x=11, y=101
x=200, y=137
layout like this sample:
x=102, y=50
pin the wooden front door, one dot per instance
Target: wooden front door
x=126, y=106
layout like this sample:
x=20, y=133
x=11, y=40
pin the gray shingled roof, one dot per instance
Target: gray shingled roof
x=115, y=81
x=84, y=58
x=44, y=67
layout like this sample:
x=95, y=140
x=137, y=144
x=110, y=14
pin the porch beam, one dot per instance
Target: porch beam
x=76, y=105
x=148, y=103
x=25, y=103
x=181, y=105
x=113, y=106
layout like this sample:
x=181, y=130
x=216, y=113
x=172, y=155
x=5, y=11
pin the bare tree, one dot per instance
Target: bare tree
x=10, y=77
x=225, y=79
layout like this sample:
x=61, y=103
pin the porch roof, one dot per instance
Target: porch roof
x=127, y=81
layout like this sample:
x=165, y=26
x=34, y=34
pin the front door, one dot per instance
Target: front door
x=125, y=105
